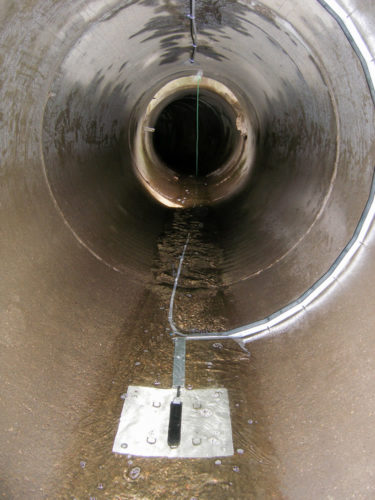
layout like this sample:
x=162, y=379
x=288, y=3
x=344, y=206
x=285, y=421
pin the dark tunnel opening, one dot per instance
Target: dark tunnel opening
x=176, y=131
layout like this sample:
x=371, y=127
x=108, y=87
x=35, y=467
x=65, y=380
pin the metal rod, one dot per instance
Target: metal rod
x=179, y=362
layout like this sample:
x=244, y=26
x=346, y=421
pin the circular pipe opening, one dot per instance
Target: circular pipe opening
x=188, y=153
x=195, y=135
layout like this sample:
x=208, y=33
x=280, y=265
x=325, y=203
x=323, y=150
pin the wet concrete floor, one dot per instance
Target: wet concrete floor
x=92, y=471
x=302, y=403
x=302, y=426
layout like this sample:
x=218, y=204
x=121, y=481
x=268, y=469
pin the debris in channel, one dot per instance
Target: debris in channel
x=199, y=299
x=181, y=422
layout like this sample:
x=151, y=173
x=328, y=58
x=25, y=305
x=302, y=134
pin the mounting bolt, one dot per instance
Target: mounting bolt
x=196, y=441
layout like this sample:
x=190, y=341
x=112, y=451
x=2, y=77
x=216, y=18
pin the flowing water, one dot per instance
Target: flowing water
x=145, y=356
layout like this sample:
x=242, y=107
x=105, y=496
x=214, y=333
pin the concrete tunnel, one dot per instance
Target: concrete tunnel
x=101, y=181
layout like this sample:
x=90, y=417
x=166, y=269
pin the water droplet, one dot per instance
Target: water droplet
x=237, y=404
x=156, y=382
x=218, y=394
x=151, y=439
x=250, y=421
x=189, y=387
x=236, y=468
x=145, y=350
x=130, y=462
x=156, y=404
x=196, y=441
x=137, y=363
x=209, y=364
x=134, y=473
x=217, y=345
x=82, y=464
x=123, y=396
x=240, y=451
x=124, y=445
x=217, y=462
x=100, y=486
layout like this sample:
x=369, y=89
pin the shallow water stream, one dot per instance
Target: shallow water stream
x=145, y=358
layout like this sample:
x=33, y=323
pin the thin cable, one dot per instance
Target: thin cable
x=197, y=130
x=193, y=31
x=171, y=302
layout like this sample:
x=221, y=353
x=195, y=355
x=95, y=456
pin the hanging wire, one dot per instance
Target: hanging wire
x=193, y=31
x=199, y=76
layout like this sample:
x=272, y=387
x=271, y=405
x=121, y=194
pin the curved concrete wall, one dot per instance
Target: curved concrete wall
x=88, y=257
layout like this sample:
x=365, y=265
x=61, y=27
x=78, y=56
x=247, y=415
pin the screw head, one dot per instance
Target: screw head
x=196, y=441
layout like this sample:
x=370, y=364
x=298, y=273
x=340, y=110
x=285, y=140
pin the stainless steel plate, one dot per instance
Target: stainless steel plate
x=206, y=429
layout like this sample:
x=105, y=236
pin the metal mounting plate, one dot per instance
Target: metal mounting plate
x=206, y=429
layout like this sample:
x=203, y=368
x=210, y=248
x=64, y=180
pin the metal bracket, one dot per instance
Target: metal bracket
x=206, y=429
x=179, y=362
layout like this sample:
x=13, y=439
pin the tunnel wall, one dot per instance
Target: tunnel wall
x=65, y=308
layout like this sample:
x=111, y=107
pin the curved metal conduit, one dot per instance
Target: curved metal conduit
x=261, y=328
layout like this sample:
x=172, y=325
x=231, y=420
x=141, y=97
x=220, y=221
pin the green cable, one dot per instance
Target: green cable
x=197, y=130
